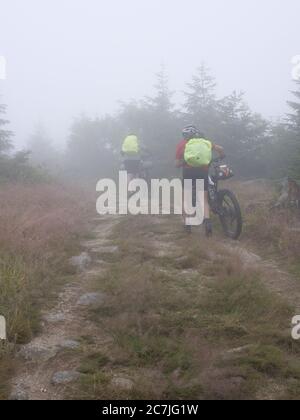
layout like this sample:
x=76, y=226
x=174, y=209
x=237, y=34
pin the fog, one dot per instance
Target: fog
x=66, y=57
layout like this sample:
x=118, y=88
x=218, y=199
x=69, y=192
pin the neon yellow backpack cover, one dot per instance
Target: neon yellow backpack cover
x=131, y=146
x=198, y=153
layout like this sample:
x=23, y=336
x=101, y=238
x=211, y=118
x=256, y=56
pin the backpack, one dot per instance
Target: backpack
x=131, y=146
x=198, y=153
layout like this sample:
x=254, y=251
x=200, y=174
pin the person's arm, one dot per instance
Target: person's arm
x=179, y=162
x=219, y=149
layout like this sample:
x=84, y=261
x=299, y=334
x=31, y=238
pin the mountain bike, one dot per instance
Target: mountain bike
x=223, y=202
x=143, y=171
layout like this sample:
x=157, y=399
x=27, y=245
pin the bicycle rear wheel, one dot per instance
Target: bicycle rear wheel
x=230, y=214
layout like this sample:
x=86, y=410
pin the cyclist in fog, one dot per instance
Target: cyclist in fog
x=194, y=156
x=134, y=154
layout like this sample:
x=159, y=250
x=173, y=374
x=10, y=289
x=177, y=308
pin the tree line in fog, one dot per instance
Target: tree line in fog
x=255, y=147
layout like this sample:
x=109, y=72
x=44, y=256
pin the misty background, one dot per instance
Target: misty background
x=68, y=57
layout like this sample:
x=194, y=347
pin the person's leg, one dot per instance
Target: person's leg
x=134, y=172
x=183, y=206
x=128, y=169
x=136, y=167
x=207, y=220
x=206, y=206
x=186, y=199
x=200, y=197
x=190, y=196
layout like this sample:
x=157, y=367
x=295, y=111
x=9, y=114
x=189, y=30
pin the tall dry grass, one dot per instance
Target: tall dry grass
x=36, y=220
x=39, y=229
x=275, y=231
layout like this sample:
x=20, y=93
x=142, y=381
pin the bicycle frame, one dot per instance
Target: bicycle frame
x=213, y=186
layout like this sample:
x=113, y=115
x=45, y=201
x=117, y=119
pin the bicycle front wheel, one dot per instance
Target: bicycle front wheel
x=230, y=214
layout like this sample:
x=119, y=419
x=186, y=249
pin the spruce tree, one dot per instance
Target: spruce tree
x=201, y=91
x=161, y=125
x=42, y=151
x=243, y=135
x=201, y=103
x=5, y=135
x=162, y=100
x=294, y=118
x=293, y=123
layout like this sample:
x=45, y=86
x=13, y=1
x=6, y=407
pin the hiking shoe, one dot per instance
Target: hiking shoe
x=208, y=228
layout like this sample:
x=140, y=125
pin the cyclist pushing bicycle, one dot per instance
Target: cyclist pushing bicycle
x=135, y=158
x=194, y=155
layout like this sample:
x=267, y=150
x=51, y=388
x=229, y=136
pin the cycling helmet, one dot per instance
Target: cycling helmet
x=189, y=132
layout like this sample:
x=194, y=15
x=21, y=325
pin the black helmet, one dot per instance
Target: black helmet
x=189, y=132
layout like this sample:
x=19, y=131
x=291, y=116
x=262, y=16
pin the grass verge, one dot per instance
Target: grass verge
x=40, y=228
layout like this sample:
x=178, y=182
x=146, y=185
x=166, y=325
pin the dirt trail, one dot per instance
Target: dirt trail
x=63, y=326
x=45, y=371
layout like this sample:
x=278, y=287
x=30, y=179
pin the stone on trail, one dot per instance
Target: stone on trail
x=248, y=258
x=18, y=395
x=69, y=345
x=34, y=353
x=92, y=299
x=123, y=384
x=54, y=318
x=62, y=378
x=81, y=262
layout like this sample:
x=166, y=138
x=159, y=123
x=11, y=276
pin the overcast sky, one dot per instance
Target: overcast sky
x=65, y=57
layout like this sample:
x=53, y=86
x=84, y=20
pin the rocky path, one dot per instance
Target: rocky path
x=43, y=370
x=50, y=363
